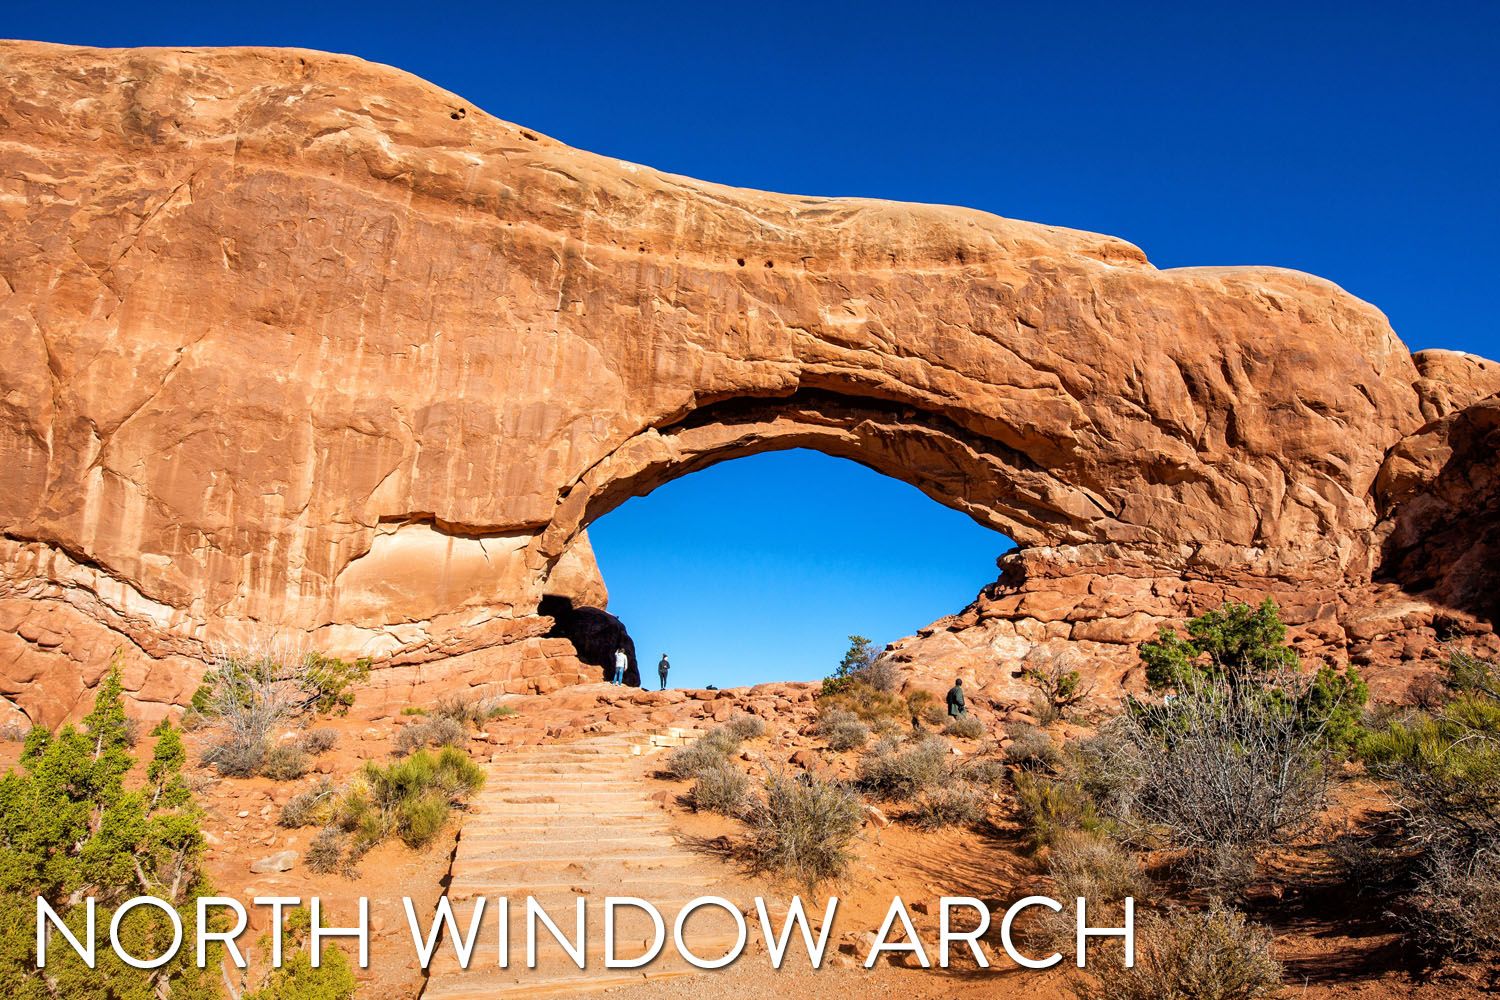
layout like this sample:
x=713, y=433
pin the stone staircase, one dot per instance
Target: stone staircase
x=562, y=821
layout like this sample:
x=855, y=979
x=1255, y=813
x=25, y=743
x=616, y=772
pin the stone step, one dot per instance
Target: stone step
x=548, y=851
x=583, y=796
x=504, y=812
x=552, y=959
x=463, y=987
x=521, y=833
x=558, y=824
x=519, y=889
x=464, y=868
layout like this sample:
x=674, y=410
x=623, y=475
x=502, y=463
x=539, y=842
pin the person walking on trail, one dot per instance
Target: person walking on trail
x=621, y=662
x=956, y=699
x=661, y=670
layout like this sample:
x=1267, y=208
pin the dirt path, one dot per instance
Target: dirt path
x=562, y=822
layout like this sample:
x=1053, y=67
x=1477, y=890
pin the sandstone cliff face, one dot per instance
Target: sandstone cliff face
x=298, y=341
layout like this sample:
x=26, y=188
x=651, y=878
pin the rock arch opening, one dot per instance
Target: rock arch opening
x=758, y=569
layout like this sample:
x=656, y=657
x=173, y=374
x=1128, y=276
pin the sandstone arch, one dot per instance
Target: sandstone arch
x=289, y=343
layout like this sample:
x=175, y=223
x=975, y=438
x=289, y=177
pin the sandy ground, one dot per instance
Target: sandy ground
x=1334, y=944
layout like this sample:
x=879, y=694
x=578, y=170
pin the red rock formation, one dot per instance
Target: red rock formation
x=303, y=342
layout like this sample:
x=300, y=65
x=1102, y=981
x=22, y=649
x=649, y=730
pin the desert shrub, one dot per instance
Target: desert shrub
x=986, y=772
x=1468, y=674
x=964, y=726
x=842, y=729
x=710, y=750
x=804, y=828
x=1426, y=692
x=1031, y=748
x=414, y=710
x=409, y=798
x=1055, y=688
x=1226, y=772
x=858, y=659
x=1110, y=767
x=746, y=727
x=720, y=789
x=1050, y=807
x=318, y=741
x=1444, y=769
x=950, y=805
x=1094, y=867
x=1454, y=910
x=1213, y=955
x=923, y=708
x=309, y=807
x=867, y=703
x=326, y=852
x=240, y=755
x=436, y=731
x=275, y=680
x=284, y=763
x=899, y=773
x=252, y=690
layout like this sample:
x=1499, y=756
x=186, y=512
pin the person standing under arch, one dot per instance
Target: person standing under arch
x=661, y=670
x=621, y=662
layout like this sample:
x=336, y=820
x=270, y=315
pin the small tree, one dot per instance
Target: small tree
x=70, y=829
x=859, y=659
x=1242, y=651
x=1056, y=689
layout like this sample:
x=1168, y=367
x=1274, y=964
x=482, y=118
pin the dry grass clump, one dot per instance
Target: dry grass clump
x=434, y=731
x=804, y=828
x=1031, y=748
x=964, y=726
x=1099, y=870
x=711, y=750
x=900, y=773
x=284, y=763
x=318, y=741
x=311, y=807
x=721, y=789
x=954, y=804
x=468, y=710
x=986, y=772
x=842, y=730
x=746, y=727
x=1213, y=955
x=1050, y=807
x=326, y=852
x=238, y=756
x=1094, y=867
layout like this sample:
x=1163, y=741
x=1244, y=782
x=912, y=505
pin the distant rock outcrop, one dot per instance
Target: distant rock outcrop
x=298, y=341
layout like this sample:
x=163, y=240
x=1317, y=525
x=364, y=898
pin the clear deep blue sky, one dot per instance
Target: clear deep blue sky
x=1358, y=141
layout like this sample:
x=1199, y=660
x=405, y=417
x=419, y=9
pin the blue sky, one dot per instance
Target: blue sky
x=1359, y=141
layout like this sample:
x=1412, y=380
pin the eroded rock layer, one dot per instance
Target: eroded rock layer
x=295, y=341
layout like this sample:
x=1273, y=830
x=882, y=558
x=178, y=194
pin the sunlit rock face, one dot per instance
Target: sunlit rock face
x=299, y=342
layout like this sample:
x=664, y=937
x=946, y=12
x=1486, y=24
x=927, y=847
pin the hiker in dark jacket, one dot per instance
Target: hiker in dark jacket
x=956, y=699
x=661, y=670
